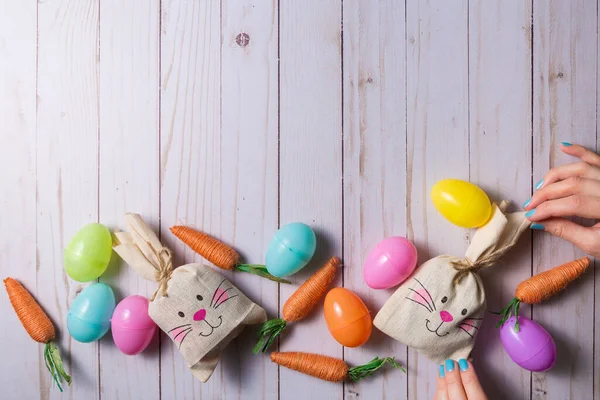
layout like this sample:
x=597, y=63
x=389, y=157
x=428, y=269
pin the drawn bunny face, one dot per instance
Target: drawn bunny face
x=432, y=314
x=204, y=315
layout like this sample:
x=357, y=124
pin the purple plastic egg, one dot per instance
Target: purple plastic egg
x=532, y=348
x=132, y=328
x=390, y=262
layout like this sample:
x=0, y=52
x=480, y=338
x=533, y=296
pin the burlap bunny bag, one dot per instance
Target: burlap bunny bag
x=439, y=309
x=199, y=309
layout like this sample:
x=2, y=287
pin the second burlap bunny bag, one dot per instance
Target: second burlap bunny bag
x=198, y=308
x=439, y=309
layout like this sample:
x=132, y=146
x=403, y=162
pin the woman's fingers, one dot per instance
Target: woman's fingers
x=574, y=185
x=575, y=205
x=454, y=385
x=470, y=382
x=584, y=154
x=587, y=239
x=562, y=172
x=440, y=389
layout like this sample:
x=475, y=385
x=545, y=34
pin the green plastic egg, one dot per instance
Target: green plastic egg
x=88, y=253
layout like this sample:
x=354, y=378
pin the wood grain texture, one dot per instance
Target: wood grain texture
x=67, y=168
x=18, y=256
x=249, y=186
x=190, y=157
x=438, y=139
x=311, y=165
x=374, y=159
x=565, y=44
x=500, y=117
x=129, y=178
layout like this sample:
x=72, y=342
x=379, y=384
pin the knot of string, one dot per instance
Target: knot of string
x=164, y=270
x=465, y=266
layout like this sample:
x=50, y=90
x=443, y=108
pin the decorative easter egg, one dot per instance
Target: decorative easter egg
x=131, y=326
x=89, y=316
x=291, y=249
x=390, y=262
x=461, y=203
x=532, y=348
x=347, y=317
x=87, y=255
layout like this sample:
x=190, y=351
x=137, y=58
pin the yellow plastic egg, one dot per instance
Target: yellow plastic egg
x=461, y=203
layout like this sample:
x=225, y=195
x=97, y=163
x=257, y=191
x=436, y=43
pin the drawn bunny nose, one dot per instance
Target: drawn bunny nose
x=201, y=314
x=444, y=315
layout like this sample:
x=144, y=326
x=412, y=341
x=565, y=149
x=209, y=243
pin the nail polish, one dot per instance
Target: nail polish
x=463, y=365
x=526, y=203
x=449, y=365
x=529, y=214
x=566, y=144
x=442, y=372
x=538, y=227
x=539, y=184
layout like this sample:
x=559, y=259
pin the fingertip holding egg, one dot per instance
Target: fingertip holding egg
x=88, y=253
x=532, y=347
x=291, y=248
x=131, y=326
x=390, y=262
x=462, y=203
x=347, y=317
x=89, y=316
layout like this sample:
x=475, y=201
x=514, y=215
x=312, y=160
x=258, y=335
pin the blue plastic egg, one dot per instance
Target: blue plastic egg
x=291, y=249
x=89, y=316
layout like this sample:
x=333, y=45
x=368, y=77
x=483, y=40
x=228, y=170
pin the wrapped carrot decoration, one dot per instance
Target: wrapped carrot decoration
x=38, y=326
x=299, y=305
x=329, y=368
x=543, y=286
x=219, y=253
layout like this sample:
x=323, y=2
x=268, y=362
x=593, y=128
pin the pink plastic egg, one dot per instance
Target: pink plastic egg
x=390, y=263
x=132, y=328
x=532, y=348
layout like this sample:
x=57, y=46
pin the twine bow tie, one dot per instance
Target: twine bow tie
x=164, y=271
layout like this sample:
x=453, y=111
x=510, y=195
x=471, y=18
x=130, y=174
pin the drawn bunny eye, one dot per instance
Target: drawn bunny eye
x=181, y=314
x=464, y=311
x=444, y=299
x=199, y=297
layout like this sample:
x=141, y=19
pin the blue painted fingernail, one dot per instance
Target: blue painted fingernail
x=539, y=184
x=538, y=227
x=442, y=373
x=526, y=203
x=449, y=365
x=529, y=214
x=566, y=144
x=463, y=365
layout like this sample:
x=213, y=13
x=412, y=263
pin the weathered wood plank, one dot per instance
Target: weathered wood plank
x=438, y=141
x=500, y=118
x=129, y=169
x=311, y=165
x=190, y=155
x=67, y=167
x=564, y=109
x=374, y=167
x=22, y=365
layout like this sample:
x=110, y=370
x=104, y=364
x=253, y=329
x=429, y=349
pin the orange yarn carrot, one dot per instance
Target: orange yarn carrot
x=329, y=368
x=219, y=253
x=299, y=305
x=38, y=326
x=542, y=286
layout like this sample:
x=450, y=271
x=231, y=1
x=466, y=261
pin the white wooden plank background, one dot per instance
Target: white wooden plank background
x=239, y=116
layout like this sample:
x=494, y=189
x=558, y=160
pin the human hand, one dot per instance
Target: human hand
x=458, y=382
x=571, y=190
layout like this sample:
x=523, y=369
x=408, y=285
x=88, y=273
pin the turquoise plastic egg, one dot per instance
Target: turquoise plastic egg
x=89, y=316
x=291, y=249
x=87, y=255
